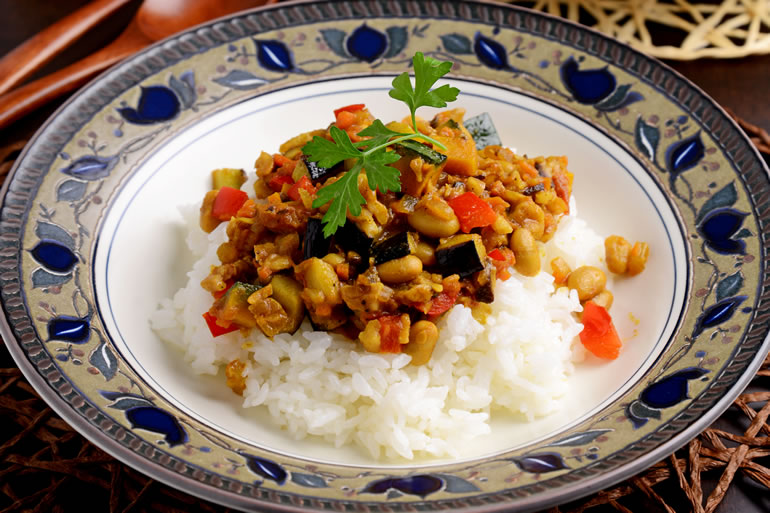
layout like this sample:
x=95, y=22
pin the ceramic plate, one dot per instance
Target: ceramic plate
x=91, y=241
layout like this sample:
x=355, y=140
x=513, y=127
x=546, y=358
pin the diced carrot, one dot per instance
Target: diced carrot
x=472, y=211
x=215, y=329
x=599, y=335
x=390, y=331
x=248, y=209
x=302, y=183
x=350, y=108
x=345, y=119
x=441, y=304
x=228, y=202
x=285, y=164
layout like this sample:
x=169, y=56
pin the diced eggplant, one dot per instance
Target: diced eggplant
x=396, y=246
x=461, y=254
x=484, y=283
x=234, y=305
x=350, y=238
x=315, y=244
x=317, y=173
x=533, y=189
x=483, y=131
x=427, y=153
x=287, y=292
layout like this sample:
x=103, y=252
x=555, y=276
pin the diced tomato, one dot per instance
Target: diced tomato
x=277, y=182
x=215, y=329
x=349, y=108
x=472, y=211
x=441, y=304
x=227, y=203
x=345, y=119
x=221, y=293
x=390, y=329
x=496, y=254
x=599, y=335
x=302, y=183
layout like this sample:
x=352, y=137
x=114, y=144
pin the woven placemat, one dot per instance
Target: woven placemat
x=47, y=466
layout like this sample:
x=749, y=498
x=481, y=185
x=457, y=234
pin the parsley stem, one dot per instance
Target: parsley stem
x=404, y=137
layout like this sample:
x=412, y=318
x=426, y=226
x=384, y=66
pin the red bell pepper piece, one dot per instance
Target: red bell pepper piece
x=441, y=304
x=349, y=108
x=390, y=329
x=599, y=335
x=472, y=211
x=221, y=293
x=302, y=183
x=227, y=203
x=215, y=329
x=276, y=182
x=496, y=254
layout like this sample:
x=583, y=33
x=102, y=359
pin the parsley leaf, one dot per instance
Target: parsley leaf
x=371, y=154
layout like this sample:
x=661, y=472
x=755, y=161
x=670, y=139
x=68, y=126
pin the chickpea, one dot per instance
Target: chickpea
x=638, y=258
x=588, y=281
x=616, y=251
x=400, y=270
x=526, y=252
x=422, y=340
x=425, y=253
x=530, y=216
x=603, y=299
x=435, y=218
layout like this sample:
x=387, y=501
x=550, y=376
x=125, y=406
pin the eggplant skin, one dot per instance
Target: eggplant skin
x=350, y=238
x=463, y=258
x=317, y=173
x=397, y=246
x=314, y=243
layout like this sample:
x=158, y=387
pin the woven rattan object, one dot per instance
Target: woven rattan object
x=683, y=30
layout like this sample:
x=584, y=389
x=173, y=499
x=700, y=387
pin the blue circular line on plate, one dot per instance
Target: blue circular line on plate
x=491, y=98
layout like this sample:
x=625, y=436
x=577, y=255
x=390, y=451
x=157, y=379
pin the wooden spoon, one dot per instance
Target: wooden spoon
x=155, y=19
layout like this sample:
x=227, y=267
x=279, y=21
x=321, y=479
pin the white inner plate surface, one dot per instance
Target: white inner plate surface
x=141, y=256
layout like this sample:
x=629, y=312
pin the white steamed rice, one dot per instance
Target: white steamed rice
x=318, y=383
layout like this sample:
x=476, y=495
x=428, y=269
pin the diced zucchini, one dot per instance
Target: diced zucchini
x=300, y=170
x=287, y=292
x=427, y=153
x=234, y=305
x=228, y=177
x=396, y=246
x=483, y=131
x=461, y=254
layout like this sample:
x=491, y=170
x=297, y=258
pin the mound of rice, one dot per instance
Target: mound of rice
x=322, y=384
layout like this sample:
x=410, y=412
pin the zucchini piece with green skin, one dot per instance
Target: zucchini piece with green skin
x=397, y=246
x=234, y=305
x=314, y=243
x=424, y=151
x=461, y=254
x=228, y=177
x=483, y=131
x=286, y=291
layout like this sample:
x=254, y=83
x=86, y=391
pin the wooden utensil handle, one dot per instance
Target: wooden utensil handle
x=31, y=96
x=35, y=52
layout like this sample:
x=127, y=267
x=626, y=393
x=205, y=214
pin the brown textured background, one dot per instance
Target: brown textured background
x=46, y=466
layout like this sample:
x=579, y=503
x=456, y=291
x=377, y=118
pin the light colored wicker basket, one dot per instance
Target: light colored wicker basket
x=726, y=29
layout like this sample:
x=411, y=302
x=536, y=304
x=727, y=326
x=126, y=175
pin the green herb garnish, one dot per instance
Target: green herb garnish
x=372, y=153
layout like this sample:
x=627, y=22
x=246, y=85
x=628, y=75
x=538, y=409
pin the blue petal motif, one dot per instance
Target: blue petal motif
x=684, y=154
x=156, y=103
x=672, y=389
x=366, y=44
x=491, y=53
x=159, y=421
x=274, y=55
x=54, y=256
x=69, y=329
x=718, y=227
x=421, y=485
x=588, y=86
x=91, y=167
x=541, y=463
x=265, y=468
x=717, y=314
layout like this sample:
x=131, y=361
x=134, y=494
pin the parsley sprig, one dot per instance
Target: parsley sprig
x=372, y=154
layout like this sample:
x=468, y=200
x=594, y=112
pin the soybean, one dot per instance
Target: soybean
x=525, y=250
x=530, y=216
x=588, y=281
x=435, y=218
x=425, y=253
x=400, y=270
x=422, y=340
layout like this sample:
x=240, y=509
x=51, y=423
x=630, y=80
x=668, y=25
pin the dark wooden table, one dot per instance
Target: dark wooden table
x=740, y=84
